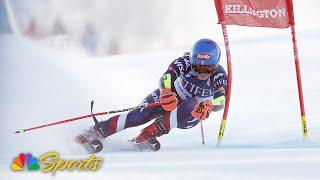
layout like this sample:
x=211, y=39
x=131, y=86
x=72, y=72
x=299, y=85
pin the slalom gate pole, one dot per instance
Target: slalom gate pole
x=228, y=94
x=298, y=74
x=87, y=116
x=305, y=133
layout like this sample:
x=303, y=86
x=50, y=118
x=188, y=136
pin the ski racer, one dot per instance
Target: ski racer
x=193, y=86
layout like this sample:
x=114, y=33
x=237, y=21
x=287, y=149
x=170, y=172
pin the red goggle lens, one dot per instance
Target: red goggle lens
x=207, y=69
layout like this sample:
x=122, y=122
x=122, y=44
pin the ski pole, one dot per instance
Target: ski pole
x=202, y=133
x=200, y=110
x=86, y=116
x=97, y=126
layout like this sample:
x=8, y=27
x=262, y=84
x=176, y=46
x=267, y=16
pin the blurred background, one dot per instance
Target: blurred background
x=107, y=27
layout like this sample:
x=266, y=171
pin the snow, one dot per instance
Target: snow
x=263, y=138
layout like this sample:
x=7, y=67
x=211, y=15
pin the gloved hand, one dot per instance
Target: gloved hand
x=168, y=99
x=202, y=110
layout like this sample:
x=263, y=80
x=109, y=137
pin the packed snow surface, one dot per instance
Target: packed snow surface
x=263, y=137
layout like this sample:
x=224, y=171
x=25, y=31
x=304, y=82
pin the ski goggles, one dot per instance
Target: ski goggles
x=204, y=69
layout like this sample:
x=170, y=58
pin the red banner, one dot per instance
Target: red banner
x=257, y=13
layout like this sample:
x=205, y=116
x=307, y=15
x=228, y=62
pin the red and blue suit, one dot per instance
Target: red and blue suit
x=179, y=78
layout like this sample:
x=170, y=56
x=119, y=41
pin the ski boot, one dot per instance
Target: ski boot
x=91, y=140
x=147, y=139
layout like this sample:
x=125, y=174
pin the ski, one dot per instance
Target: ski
x=93, y=147
x=151, y=145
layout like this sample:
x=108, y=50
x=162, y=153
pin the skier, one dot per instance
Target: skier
x=192, y=87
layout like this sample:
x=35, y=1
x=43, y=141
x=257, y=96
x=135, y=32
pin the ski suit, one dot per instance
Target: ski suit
x=180, y=78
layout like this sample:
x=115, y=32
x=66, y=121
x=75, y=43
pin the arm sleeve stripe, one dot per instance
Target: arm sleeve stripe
x=167, y=80
x=219, y=100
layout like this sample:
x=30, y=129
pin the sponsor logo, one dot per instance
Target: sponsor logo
x=220, y=82
x=51, y=163
x=25, y=161
x=179, y=65
x=263, y=13
x=155, y=97
x=203, y=56
x=217, y=76
x=193, y=89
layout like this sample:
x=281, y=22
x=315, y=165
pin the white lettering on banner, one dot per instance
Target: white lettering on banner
x=265, y=13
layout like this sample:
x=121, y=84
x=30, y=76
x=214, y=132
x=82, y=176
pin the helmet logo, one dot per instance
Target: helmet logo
x=203, y=56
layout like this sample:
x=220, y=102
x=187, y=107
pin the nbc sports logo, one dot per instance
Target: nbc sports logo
x=25, y=161
x=51, y=162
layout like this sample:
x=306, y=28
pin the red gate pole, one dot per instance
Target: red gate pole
x=229, y=66
x=220, y=13
x=305, y=133
x=299, y=82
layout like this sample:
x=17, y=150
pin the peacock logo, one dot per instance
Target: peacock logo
x=25, y=161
